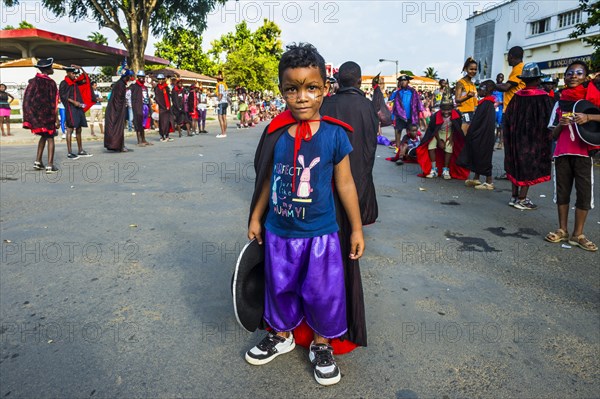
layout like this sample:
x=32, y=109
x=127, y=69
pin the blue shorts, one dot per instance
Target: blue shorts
x=222, y=109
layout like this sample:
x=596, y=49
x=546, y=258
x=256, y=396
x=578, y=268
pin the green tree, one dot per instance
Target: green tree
x=22, y=25
x=593, y=11
x=141, y=17
x=184, y=49
x=430, y=73
x=98, y=38
x=250, y=59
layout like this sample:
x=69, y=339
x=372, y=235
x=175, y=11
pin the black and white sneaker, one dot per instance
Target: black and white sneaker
x=38, y=166
x=83, y=153
x=325, y=369
x=269, y=348
x=72, y=156
x=51, y=169
x=525, y=205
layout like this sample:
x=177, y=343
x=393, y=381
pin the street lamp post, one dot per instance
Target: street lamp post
x=394, y=61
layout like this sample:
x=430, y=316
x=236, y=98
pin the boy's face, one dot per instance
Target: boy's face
x=482, y=91
x=413, y=132
x=303, y=89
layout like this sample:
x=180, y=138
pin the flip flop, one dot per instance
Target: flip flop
x=557, y=236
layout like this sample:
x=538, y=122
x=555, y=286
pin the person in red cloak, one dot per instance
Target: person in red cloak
x=299, y=132
x=76, y=95
x=446, y=120
x=180, y=116
x=40, y=101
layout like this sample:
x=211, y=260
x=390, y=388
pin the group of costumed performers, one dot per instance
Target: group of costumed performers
x=477, y=152
x=116, y=112
x=75, y=93
x=40, y=112
x=527, y=139
x=305, y=203
x=140, y=104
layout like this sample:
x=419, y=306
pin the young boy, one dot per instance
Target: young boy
x=307, y=267
x=572, y=160
x=479, y=142
x=409, y=144
x=40, y=112
x=527, y=141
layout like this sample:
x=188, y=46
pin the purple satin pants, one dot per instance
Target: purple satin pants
x=304, y=279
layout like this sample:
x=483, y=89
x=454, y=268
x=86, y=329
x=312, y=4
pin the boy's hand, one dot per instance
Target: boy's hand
x=254, y=231
x=580, y=119
x=565, y=120
x=441, y=145
x=357, y=245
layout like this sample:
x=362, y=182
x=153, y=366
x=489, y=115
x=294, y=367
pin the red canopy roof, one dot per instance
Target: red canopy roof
x=23, y=43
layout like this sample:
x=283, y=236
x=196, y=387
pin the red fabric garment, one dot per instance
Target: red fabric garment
x=532, y=91
x=85, y=89
x=488, y=98
x=574, y=94
x=439, y=119
x=593, y=94
x=39, y=105
x=163, y=88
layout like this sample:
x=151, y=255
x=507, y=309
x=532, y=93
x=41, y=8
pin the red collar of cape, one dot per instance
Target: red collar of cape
x=42, y=76
x=163, y=88
x=439, y=119
x=488, y=98
x=532, y=91
x=177, y=89
x=303, y=132
x=142, y=85
x=71, y=82
x=574, y=94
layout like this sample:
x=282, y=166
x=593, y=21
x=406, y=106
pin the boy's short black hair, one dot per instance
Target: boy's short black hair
x=350, y=74
x=303, y=55
x=517, y=52
x=411, y=125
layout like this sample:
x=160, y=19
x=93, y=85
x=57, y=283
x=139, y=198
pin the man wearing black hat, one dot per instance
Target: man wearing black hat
x=40, y=112
x=76, y=95
x=527, y=140
x=407, y=105
x=351, y=106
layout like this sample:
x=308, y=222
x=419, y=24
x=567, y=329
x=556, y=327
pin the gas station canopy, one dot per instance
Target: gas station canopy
x=27, y=43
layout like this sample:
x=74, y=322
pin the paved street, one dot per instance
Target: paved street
x=115, y=273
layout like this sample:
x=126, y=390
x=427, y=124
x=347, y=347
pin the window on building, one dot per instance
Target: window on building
x=541, y=26
x=484, y=48
x=569, y=18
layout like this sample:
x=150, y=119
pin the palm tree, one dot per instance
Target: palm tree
x=430, y=73
x=98, y=38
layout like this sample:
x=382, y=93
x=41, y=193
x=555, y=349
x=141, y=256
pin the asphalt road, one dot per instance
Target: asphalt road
x=114, y=282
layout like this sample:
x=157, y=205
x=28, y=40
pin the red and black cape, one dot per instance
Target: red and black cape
x=114, y=118
x=39, y=105
x=527, y=139
x=355, y=310
x=458, y=141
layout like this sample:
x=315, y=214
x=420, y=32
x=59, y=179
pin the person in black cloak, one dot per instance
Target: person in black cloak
x=352, y=107
x=527, y=139
x=180, y=116
x=338, y=322
x=40, y=112
x=476, y=155
x=162, y=96
x=114, y=118
x=140, y=103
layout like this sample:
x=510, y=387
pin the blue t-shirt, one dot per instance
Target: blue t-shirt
x=499, y=98
x=309, y=211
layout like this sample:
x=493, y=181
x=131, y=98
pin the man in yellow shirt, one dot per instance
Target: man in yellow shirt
x=514, y=84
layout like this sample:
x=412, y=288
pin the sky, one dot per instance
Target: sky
x=419, y=34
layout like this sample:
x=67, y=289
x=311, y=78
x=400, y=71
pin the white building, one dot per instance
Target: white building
x=541, y=28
